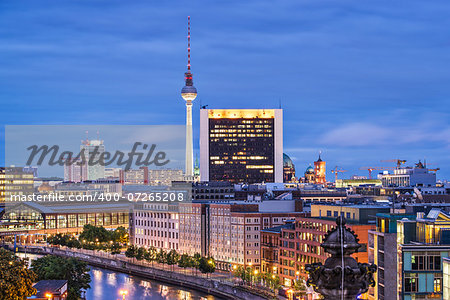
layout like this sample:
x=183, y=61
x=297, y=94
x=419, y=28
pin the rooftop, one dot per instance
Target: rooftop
x=48, y=286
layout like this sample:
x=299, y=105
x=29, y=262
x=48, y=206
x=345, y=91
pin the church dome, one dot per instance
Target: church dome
x=309, y=170
x=287, y=162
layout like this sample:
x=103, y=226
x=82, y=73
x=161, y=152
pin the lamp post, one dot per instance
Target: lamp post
x=48, y=296
x=123, y=293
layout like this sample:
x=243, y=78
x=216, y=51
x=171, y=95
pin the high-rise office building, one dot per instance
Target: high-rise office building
x=241, y=145
x=93, y=152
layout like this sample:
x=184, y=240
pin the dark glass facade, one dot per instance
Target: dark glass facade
x=241, y=150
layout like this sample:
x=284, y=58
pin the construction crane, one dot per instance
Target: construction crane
x=336, y=171
x=370, y=169
x=434, y=170
x=399, y=162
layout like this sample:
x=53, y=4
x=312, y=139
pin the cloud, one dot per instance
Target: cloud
x=360, y=134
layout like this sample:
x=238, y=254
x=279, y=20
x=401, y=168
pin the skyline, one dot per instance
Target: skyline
x=359, y=82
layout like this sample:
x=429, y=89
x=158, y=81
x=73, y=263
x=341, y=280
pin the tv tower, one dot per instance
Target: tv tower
x=189, y=93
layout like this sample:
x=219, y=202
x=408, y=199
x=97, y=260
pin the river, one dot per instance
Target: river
x=106, y=285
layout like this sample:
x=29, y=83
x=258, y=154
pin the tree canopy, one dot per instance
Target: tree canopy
x=76, y=272
x=16, y=280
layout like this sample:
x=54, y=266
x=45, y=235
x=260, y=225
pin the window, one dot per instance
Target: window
x=418, y=262
x=411, y=282
x=434, y=262
x=328, y=213
x=437, y=283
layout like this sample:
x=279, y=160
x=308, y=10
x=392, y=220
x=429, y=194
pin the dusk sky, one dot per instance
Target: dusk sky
x=361, y=81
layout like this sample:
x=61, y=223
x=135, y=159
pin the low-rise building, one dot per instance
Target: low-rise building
x=361, y=213
x=382, y=250
x=288, y=248
x=50, y=289
x=422, y=246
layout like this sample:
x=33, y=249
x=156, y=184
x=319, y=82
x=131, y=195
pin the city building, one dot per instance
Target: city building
x=112, y=173
x=288, y=248
x=382, y=247
x=89, y=188
x=288, y=169
x=345, y=183
x=270, y=246
x=446, y=278
x=310, y=176
x=404, y=177
x=165, y=176
x=50, y=289
x=134, y=176
x=92, y=150
x=31, y=220
x=320, y=171
x=230, y=232
x=362, y=214
x=15, y=181
x=241, y=145
x=422, y=245
x=194, y=226
x=189, y=93
x=155, y=224
x=213, y=191
x=74, y=170
x=2, y=186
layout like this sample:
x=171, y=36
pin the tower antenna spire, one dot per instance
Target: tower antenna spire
x=189, y=43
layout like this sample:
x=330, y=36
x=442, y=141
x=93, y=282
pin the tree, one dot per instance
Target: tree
x=299, y=287
x=115, y=248
x=16, y=280
x=196, y=261
x=141, y=253
x=161, y=256
x=150, y=255
x=185, y=261
x=95, y=234
x=131, y=251
x=207, y=265
x=120, y=235
x=76, y=273
x=172, y=258
x=245, y=274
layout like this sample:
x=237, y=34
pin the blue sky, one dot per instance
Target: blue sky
x=361, y=81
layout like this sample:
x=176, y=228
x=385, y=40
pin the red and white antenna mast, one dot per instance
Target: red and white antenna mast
x=189, y=43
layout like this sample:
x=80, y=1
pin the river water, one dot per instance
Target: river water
x=106, y=285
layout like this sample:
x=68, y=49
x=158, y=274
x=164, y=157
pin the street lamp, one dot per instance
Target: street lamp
x=48, y=296
x=123, y=293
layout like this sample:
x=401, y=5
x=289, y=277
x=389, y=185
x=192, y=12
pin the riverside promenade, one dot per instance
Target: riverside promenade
x=220, y=284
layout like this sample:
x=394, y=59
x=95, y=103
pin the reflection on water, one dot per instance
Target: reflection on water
x=105, y=285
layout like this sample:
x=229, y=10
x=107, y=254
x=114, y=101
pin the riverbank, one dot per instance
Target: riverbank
x=220, y=288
